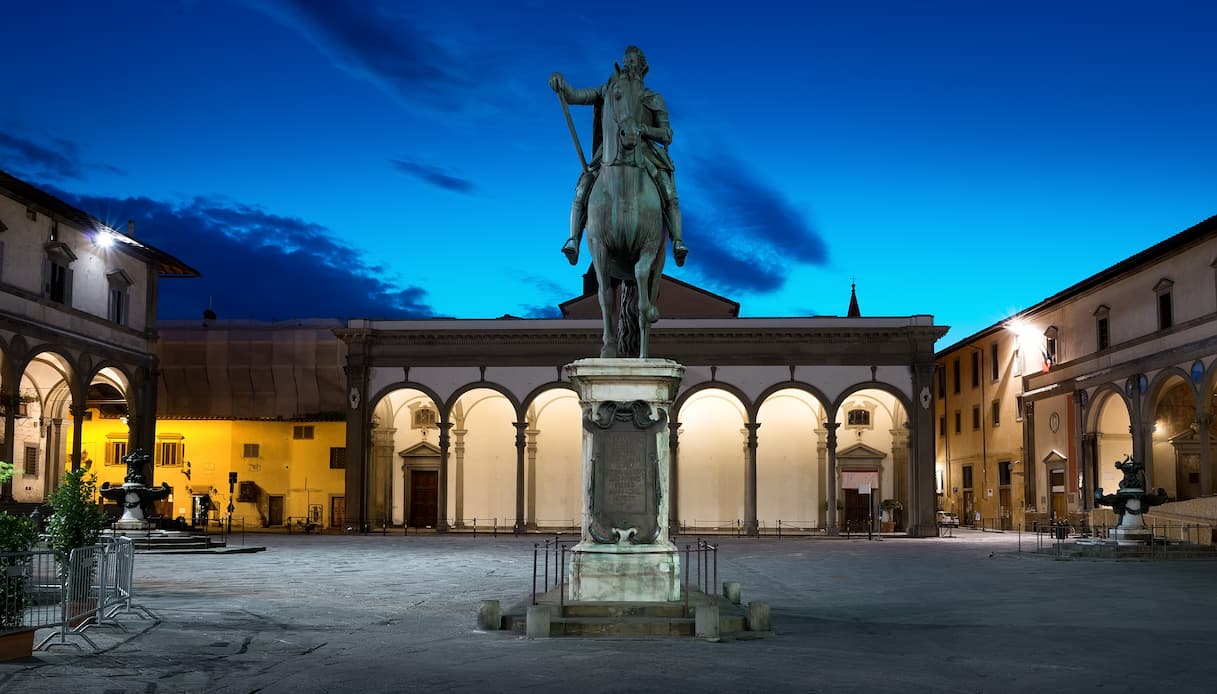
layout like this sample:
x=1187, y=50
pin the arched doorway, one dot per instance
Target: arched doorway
x=713, y=455
x=554, y=462
x=790, y=461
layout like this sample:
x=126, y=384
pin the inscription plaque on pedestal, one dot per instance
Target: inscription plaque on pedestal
x=625, y=489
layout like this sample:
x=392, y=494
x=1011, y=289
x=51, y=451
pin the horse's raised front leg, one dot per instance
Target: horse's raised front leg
x=648, y=311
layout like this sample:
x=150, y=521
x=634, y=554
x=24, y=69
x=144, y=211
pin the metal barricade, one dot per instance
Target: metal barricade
x=31, y=593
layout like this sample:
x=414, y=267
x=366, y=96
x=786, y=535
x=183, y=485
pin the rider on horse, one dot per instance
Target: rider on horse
x=657, y=135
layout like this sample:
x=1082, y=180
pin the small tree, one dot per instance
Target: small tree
x=76, y=517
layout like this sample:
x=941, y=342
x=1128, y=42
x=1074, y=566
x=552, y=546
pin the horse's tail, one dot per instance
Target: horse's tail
x=628, y=337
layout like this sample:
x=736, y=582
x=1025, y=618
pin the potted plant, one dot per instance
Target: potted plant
x=17, y=537
x=76, y=518
x=889, y=508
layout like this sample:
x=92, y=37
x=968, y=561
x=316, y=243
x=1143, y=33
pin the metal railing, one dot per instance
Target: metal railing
x=92, y=590
x=726, y=527
x=549, y=563
x=1165, y=541
x=706, y=554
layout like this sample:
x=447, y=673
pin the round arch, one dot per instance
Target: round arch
x=411, y=385
x=871, y=385
x=446, y=407
x=811, y=390
x=679, y=404
x=791, y=471
x=527, y=402
x=1170, y=409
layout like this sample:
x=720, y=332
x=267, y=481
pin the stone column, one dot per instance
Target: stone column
x=1089, y=461
x=750, y=525
x=445, y=438
x=821, y=502
x=1204, y=421
x=902, y=444
x=830, y=526
x=358, y=412
x=458, y=477
x=78, y=422
x=922, y=490
x=141, y=424
x=380, y=479
x=530, y=507
x=521, y=441
x=1142, y=431
x=11, y=402
x=673, y=474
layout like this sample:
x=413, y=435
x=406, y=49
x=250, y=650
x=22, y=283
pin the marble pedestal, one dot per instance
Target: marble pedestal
x=624, y=553
x=1131, y=530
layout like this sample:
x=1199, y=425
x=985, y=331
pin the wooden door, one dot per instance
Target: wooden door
x=424, y=498
x=338, y=511
x=856, y=508
x=1006, y=513
x=1056, y=485
x=274, y=510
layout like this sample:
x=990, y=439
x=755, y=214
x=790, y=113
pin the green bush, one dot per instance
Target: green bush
x=76, y=518
x=17, y=534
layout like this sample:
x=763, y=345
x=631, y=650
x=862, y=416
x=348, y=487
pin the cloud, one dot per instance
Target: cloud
x=44, y=162
x=434, y=175
x=377, y=45
x=541, y=311
x=743, y=235
x=58, y=161
x=256, y=265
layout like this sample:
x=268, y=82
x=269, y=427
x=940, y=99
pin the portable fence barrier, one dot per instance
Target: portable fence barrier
x=93, y=590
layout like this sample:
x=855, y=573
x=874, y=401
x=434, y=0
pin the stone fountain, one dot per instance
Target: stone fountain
x=134, y=493
x=1130, y=502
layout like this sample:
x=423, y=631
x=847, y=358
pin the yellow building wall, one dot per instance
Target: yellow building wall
x=298, y=470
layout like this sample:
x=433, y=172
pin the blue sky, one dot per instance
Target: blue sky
x=392, y=159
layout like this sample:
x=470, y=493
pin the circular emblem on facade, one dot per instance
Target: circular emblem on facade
x=925, y=397
x=1054, y=422
x=353, y=396
x=1143, y=383
x=1197, y=371
x=1083, y=398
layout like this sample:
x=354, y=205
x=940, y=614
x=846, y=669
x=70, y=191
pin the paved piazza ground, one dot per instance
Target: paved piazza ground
x=392, y=614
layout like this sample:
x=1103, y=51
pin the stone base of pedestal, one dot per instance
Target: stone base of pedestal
x=1130, y=536
x=624, y=573
x=132, y=524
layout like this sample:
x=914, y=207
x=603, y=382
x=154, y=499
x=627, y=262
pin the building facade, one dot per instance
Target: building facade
x=1035, y=411
x=77, y=329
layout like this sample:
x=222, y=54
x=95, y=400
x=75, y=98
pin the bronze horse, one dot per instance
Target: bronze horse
x=625, y=224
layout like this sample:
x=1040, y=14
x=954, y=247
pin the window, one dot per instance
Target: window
x=996, y=412
x=1003, y=473
x=338, y=458
x=1102, y=328
x=1166, y=314
x=942, y=425
x=170, y=452
x=302, y=432
x=1018, y=408
x=958, y=421
x=858, y=418
x=247, y=491
x=116, y=450
x=942, y=381
x=424, y=418
x=967, y=477
x=251, y=450
x=1050, y=343
x=994, y=367
x=118, y=306
x=29, y=466
x=955, y=375
x=975, y=369
x=975, y=417
x=57, y=273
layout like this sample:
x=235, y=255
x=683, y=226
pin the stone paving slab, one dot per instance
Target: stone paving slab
x=319, y=613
